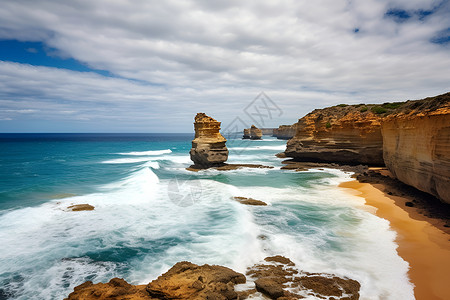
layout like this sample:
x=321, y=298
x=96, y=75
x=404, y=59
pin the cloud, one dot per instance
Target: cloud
x=171, y=59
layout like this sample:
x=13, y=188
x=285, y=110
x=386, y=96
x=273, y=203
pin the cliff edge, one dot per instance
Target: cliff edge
x=416, y=145
x=348, y=134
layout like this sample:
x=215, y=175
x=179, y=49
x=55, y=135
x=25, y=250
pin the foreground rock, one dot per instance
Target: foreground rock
x=188, y=281
x=184, y=280
x=255, y=133
x=80, y=207
x=416, y=145
x=249, y=201
x=279, y=279
x=341, y=134
x=116, y=288
x=208, y=146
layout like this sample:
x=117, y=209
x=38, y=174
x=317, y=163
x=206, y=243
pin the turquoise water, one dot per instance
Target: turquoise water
x=151, y=213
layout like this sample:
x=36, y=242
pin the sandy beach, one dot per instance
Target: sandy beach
x=425, y=247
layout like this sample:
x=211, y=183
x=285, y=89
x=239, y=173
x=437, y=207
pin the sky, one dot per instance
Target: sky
x=150, y=66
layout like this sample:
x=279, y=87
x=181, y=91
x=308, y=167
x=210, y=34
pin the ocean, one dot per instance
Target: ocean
x=150, y=212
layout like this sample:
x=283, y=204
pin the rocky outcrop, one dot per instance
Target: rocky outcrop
x=255, y=133
x=246, y=134
x=341, y=134
x=285, y=132
x=208, y=146
x=416, y=145
x=184, y=280
x=249, y=201
x=280, y=279
x=80, y=207
x=276, y=278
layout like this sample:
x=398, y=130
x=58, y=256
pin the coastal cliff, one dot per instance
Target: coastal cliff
x=208, y=147
x=285, y=132
x=416, y=145
x=341, y=134
x=411, y=138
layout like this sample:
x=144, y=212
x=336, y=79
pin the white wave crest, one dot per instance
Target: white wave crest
x=144, y=153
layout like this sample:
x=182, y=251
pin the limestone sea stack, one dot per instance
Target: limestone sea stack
x=208, y=147
x=339, y=134
x=246, y=134
x=416, y=145
x=255, y=133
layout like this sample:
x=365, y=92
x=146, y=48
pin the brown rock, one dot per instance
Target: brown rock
x=246, y=134
x=338, y=134
x=255, y=133
x=249, y=201
x=274, y=279
x=80, y=207
x=208, y=146
x=416, y=145
x=270, y=287
x=116, y=288
x=285, y=132
x=281, y=155
x=189, y=281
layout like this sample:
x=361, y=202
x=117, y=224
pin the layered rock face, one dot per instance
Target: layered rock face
x=255, y=133
x=341, y=134
x=208, y=147
x=285, y=132
x=416, y=145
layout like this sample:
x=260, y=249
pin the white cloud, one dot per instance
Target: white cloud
x=190, y=56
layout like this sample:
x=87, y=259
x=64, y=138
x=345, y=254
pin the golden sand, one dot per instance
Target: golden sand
x=423, y=246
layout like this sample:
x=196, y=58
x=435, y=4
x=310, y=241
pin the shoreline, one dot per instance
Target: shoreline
x=420, y=242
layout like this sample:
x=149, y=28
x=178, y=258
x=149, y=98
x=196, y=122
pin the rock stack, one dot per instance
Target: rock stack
x=208, y=146
x=255, y=133
x=246, y=134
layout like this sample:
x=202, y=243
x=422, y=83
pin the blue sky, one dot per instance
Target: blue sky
x=150, y=66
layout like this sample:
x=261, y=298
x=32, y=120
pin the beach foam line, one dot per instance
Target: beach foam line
x=127, y=160
x=150, y=152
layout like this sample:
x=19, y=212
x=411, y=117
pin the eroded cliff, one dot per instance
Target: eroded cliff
x=255, y=133
x=416, y=145
x=285, y=132
x=208, y=147
x=342, y=134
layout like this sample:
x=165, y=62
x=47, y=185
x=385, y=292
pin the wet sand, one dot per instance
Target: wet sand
x=425, y=247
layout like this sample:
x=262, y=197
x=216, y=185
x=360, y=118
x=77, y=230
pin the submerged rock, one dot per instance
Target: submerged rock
x=80, y=207
x=208, y=147
x=249, y=201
